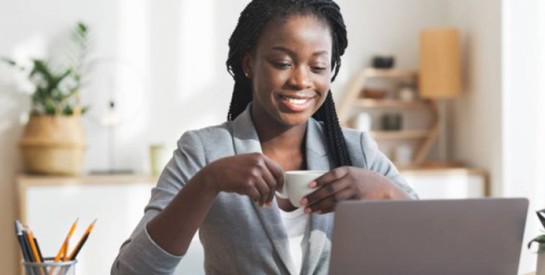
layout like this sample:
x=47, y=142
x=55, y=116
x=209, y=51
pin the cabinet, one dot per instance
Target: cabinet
x=447, y=183
x=49, y=205
x=404, y=126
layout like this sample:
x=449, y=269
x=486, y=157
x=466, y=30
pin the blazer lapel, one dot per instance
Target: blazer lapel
x=245, y=140
x=317, y=237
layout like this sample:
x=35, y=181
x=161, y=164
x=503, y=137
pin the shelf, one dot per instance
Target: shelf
x=404, y=134
x=390, y=73
x=390, y=103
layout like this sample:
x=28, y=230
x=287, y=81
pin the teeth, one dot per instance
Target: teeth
x=297, y=101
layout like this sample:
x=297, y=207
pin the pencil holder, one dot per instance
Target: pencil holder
x=49, y=267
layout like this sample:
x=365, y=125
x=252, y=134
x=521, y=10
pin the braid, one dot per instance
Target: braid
x=244, y=39
x=334, y=134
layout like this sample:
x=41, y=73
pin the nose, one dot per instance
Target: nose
x=300, y=78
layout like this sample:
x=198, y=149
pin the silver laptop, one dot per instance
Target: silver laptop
x=472, y=236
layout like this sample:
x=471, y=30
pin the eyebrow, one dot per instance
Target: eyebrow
x=282, y=49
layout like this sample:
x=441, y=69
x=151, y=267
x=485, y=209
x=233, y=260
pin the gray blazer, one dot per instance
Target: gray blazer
x=238, y=236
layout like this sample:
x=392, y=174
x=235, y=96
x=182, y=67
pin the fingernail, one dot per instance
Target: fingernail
x=303, y=201
x=312, y=184
x=308, y=210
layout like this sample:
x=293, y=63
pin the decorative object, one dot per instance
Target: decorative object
x=391, y=122
x=363, y=122
x=440, y=76
x=374, y=93
x=407, y=93
x=540, y=240
x=53, y=140
x=383, y=62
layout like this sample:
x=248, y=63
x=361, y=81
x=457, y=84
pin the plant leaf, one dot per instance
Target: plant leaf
x=539, y=239
x=541, y=216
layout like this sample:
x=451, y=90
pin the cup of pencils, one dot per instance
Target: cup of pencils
x=49, y=267
x=62, y=264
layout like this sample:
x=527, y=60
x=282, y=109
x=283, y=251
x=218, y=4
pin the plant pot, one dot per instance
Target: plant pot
x=540, y=268
x=53, y=145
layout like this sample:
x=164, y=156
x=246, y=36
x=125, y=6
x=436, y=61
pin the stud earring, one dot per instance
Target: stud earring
x=246, y=74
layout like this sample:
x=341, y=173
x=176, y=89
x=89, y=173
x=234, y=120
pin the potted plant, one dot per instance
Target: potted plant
x=53, y=141
x=540, y=269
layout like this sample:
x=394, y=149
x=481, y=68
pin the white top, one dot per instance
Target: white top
x=296, y=223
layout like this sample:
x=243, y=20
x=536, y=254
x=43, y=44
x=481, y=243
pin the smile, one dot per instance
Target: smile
x=296, y=103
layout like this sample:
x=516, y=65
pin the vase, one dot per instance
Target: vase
x=53, y=145
x=540, y=268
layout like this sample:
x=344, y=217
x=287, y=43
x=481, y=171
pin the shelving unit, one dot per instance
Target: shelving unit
x=420, y=138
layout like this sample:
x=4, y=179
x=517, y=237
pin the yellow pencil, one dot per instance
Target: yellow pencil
x=76, y=249
x=64, y=246
x=33, y=248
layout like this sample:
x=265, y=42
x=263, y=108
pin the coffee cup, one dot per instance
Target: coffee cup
x=296, y=185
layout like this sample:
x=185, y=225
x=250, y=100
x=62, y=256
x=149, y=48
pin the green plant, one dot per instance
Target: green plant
x=57, y=84
x=541, y=238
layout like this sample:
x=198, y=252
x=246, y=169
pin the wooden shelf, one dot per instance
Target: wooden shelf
x=390, y=103
x=404, y=134
x=353, y=103
x=389, y=73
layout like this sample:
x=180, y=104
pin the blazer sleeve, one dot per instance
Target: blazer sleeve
x=375, y=160
x=140, y=254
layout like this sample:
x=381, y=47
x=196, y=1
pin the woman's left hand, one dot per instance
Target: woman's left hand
x=349, y=183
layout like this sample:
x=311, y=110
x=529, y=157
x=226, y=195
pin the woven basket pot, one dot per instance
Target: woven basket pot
x=53, y=145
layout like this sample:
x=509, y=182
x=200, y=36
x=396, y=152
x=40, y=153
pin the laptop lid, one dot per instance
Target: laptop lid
x=470, y=236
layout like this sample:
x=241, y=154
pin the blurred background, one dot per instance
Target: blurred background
x=157, y=69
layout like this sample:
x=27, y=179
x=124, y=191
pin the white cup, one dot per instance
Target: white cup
x=296, y=185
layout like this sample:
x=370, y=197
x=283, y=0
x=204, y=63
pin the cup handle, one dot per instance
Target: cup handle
x=284, y=193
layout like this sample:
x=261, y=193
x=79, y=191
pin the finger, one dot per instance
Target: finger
x=253, y=193
x=331, y=176
x=270, y=180
x=277, y=172
x=328, y=204
x=263, y=189
x=325, y=191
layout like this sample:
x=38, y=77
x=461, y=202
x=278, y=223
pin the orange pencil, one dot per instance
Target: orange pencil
x=33, y=248
x=76, y=249
x=64, y=246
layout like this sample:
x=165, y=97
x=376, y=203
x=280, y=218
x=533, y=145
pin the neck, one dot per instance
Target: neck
x=285, y=146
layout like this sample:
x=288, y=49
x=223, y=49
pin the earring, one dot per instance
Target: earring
x=246, y=74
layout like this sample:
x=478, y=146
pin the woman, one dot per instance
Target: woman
x=222, y=179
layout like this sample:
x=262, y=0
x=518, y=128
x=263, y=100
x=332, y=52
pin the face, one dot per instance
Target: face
x=290, y=70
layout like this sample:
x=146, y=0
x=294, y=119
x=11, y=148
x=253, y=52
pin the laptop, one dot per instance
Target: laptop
x=469, y=236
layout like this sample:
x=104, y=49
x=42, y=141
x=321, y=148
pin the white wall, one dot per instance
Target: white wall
x=475, y=129
x=523, y=113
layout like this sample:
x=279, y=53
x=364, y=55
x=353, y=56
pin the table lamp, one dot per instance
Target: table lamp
x=439, y=78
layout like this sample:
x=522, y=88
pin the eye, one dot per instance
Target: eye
x=282, y=65
x=319, y=69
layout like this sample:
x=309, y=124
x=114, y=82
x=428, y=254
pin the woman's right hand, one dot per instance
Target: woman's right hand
x=254, y=175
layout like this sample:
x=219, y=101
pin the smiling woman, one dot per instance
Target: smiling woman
x=222, y=180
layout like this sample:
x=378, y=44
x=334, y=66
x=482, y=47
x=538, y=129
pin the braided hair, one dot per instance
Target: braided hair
x=244, y=39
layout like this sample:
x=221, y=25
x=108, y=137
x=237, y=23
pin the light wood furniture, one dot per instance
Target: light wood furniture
x=447, y=182
x=420, y=137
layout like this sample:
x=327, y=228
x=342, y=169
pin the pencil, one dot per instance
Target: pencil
x=33, y=248
x=64, y=245
x=24, y=248
x=82, y=241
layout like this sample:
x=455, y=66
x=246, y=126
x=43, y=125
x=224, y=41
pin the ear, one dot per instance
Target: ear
x=247, y=65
